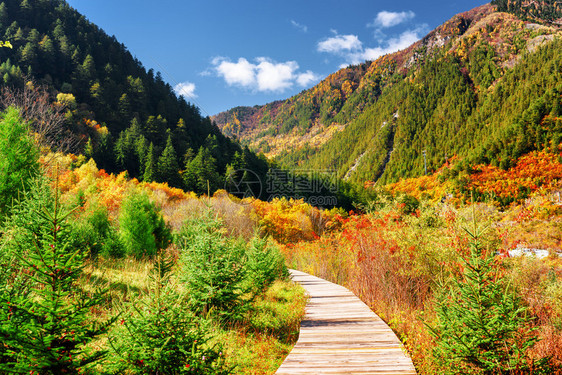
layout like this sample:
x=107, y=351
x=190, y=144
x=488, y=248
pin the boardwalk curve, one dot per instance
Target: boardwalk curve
x=342, y=335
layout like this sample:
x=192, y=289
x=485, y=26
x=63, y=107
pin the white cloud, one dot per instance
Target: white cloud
x=185, y=89
x=306, y=78
x=386, y=46
x=241, y=73
x=272, y=76
x=299, y=26
x=265, y=75
x=339, y=44
x=387, y=19
x=404, y=40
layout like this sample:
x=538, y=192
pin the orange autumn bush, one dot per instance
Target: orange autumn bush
x=289, y=220
x=427, y=187
x=536, y=169
x=538, y=172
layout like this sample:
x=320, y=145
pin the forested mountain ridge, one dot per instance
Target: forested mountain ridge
x=483, y=86
x=318, y=112
x=127, y=118
x=546, y=10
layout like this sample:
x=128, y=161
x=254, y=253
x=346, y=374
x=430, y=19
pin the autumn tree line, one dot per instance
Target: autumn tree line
x=547, y=9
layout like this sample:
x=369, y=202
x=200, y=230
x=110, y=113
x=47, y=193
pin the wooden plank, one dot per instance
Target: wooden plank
x=342, y=335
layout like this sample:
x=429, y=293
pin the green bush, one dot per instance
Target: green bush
x=265, y=264
x=224, y=274
x=408, y=204
x=94, y=232
x=18, y=158
x=214, y=267
x=142, y=229
x=45, y=322
x=161, y=335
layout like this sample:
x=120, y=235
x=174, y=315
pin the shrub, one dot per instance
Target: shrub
x=408, y=204
x=94, y=232
x=143, y=231
x=18, y=158
x=214, y=269
x=45, y=324
x=265, y=264
x=162, y=336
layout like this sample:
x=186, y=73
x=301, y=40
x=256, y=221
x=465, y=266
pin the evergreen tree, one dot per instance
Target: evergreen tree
x=45, y=322
x=168, y=168
x=29, y=55
x=18, y=158
x=60, y=48
x=161, y=335
x=103, y=153
x=3, y=15
x=150, y=165
x=142, y=229
x=124, y=107
x=126, y=150
x=141, y=151
x=200, y=174
x=34, y=37
x=87, y=70
x=155, y=129
x=483, y=327
x=214, y=267
x=47, y=49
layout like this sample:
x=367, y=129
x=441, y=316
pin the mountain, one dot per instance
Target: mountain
x=547, y=10
x=485, y=87
x=127, y=118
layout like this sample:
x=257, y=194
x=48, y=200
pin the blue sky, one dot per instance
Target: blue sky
x=226, y=53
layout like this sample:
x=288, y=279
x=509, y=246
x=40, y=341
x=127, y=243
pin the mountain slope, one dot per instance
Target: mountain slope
x=127, y=117
x=484, y=86
x=547, y=10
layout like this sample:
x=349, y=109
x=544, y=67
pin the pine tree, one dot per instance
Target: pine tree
x=18, y=158
x=168, y=168
x=200, y=174
x=3, y=15
x=47, y=49
x=214, y=269
x=126, y=150
x=45, y=322
x=29, y=55
x=103, y=153
x=150, y=167
x=155, y=128
x=87, y=70
x=125, y=107
x=189, y=174
x=161, y=335
x=142, y=228
x=141, y=151
x=482, y=325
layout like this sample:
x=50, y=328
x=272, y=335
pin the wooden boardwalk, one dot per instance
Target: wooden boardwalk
x=341, y=335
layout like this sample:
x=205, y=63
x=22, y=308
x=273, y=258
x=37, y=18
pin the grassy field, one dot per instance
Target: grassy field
x=256, y=344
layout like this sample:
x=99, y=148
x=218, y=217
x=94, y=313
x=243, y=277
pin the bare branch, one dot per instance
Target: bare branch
x=45, y=119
